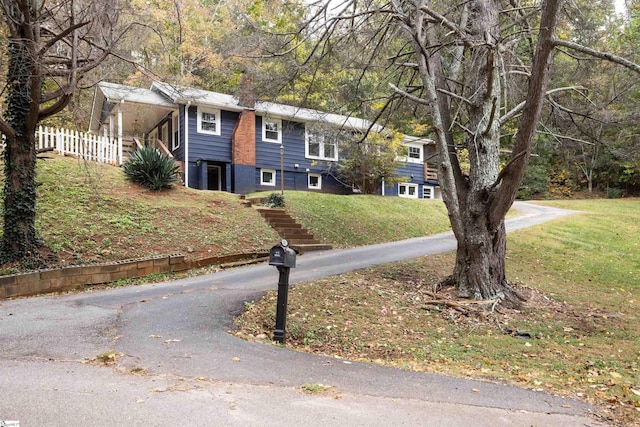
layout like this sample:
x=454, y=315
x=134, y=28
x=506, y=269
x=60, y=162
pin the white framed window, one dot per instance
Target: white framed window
x=268, y=177
x=314, y=181
x=407, y=190
x=175, y=143
x=271, y=130
x=153, y=135
x=208, y=121
x=414, y=153
x=318, y=146
x=427, y=192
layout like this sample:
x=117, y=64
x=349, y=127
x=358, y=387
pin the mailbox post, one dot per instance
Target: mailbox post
x=283, y=258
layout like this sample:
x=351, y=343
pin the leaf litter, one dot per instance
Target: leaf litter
x=397, y=315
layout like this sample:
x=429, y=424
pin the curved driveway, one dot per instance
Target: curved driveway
x=181, y=367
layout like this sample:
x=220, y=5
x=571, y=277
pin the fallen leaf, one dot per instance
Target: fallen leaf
x=475, y=390
x=634, y=391
x=170, y=341
x=139, y=400
x=236, y=359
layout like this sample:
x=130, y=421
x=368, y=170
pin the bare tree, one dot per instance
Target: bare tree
x=480, y=67
x=50, y=46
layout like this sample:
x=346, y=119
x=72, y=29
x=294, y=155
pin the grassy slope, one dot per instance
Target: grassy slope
x=89, y=213
x=364, y=220
x=583, y=319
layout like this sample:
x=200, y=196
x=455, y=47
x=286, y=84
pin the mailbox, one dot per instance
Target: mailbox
x=282, y=255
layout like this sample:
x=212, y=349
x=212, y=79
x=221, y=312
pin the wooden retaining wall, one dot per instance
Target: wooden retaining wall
x=67, y=278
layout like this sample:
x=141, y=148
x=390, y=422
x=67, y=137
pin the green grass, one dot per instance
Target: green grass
x=583, y=276
x=596, y=253
x=363, y=220
x=88, y=213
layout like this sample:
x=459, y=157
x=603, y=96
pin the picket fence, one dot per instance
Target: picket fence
x=87, y=146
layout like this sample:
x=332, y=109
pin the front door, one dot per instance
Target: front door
x=214, y=178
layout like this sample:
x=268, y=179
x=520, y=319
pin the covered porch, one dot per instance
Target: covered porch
x=133, y=117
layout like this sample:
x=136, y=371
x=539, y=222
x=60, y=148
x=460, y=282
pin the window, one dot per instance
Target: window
x=427, y=192
x=314, y=181
x=268, y=177
x=164, y=132
x=319, y=147
x=409, y=191
x=271, y=130
x=176, y=136
x=209, y=121
x=414, y=154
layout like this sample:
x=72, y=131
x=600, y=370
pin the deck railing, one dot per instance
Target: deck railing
x=430, y=172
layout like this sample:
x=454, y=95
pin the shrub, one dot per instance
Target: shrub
x=275, y=200
x=614, y=193
x=149, y=168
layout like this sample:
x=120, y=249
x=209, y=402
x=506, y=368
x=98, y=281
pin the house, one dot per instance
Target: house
x=237, y=145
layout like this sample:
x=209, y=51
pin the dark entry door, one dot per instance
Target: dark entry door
x=214, y=178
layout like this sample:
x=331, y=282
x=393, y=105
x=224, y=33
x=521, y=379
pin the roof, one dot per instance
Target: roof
x=139, y=105
x=185, y=95
x=169, y=96
x=188, y=95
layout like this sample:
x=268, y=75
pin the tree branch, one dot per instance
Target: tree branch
x=597, y=54
x=7, y=130
x=57, y=37
x=518, y=108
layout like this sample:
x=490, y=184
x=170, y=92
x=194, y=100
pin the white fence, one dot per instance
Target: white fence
x=85, y=145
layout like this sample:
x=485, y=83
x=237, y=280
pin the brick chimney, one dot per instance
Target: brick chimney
x=246, y=91
x=243, y=141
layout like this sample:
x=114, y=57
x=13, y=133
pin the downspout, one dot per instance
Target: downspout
x=186, y=144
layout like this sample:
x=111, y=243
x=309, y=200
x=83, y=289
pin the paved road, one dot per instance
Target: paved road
x=181, y=367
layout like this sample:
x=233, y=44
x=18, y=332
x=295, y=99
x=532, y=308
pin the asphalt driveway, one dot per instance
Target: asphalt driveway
x=180, y=366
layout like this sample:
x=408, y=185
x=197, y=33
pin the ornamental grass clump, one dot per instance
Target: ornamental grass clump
x=149, y=168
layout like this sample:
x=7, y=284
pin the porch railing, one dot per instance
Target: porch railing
x=430, y=172
x=88, y=146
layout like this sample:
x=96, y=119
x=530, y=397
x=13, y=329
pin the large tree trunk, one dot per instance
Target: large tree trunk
x=480, y=269
x=20, y=240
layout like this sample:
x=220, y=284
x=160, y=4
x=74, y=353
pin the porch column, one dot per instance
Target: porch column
x=120, y=132
x=186, y=144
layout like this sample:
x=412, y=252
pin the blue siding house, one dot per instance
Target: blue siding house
x=229, y=144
